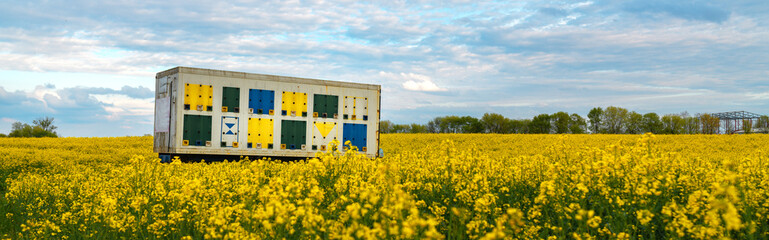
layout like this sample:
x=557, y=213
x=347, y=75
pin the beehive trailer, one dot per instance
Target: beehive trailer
x=213, y=114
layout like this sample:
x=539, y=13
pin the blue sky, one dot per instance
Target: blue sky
x=91, y=65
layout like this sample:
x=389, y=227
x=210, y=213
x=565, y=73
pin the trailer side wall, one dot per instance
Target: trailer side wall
x=212, y=112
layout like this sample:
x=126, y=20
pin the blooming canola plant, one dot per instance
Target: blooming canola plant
x=429, y=186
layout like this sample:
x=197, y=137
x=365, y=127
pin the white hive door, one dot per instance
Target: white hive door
x=229, y=131
x=323, y=134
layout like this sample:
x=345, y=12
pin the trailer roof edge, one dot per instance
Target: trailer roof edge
x=268, y=77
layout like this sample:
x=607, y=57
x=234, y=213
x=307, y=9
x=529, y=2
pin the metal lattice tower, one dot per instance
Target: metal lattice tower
x=736, y=115
x=731, y=122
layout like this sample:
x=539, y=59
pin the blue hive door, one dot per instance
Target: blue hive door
x=261, y=101
x=356, y=134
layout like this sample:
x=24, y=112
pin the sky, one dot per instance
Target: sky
x=91, y=64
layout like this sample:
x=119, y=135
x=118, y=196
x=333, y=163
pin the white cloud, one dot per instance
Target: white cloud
x=759, y=96
x=41, y=93
x=119, y=105
x=580, y=4
x=78, y=111
x=540, y=55
x=418, y=82
x=8, y=120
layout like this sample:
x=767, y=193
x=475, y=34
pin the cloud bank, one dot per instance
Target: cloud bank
x=518, y=58
x=82, y=111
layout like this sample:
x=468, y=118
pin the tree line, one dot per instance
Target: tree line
x=611, y=120
x=41, y=127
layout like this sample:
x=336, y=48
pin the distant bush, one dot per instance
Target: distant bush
x=43, y=127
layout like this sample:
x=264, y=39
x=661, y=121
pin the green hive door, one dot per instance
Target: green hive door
x=197, y=130
x=293, y=134
x=230, y=99
x=326, y=106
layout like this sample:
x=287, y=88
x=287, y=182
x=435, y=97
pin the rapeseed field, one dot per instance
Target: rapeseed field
x=447, y=186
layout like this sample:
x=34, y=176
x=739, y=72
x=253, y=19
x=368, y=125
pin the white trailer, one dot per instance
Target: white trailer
x=214, y=114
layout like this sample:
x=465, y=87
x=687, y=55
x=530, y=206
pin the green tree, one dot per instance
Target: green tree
x=444, y=123
x=454, y=124
x=709, y=124
x=729, y=126
x=561, y=122
x=577, y=124
x=518, y=126
x=762, y=124
x=46, y=124
x=595, y=119
x=43, y=128
x=495, y=123
x=441, y=124
x=451, y=124
x=417, y=128
x=540, y=124
x=652, y=123
x=692, y=125
x=401, y=128
x=672, y=124
x=433, y=126
x=385, y=126
x=634, y=123
x=747, y=126
x=471, y=125
x=614, y=119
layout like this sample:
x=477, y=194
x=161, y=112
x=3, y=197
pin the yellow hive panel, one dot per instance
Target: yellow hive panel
x=191, y=95
x=286, y=102
x=209, y=90
x=325, y=128
x=301, y=102
x=294, y=101
x=198, y=94
x=260, y=131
